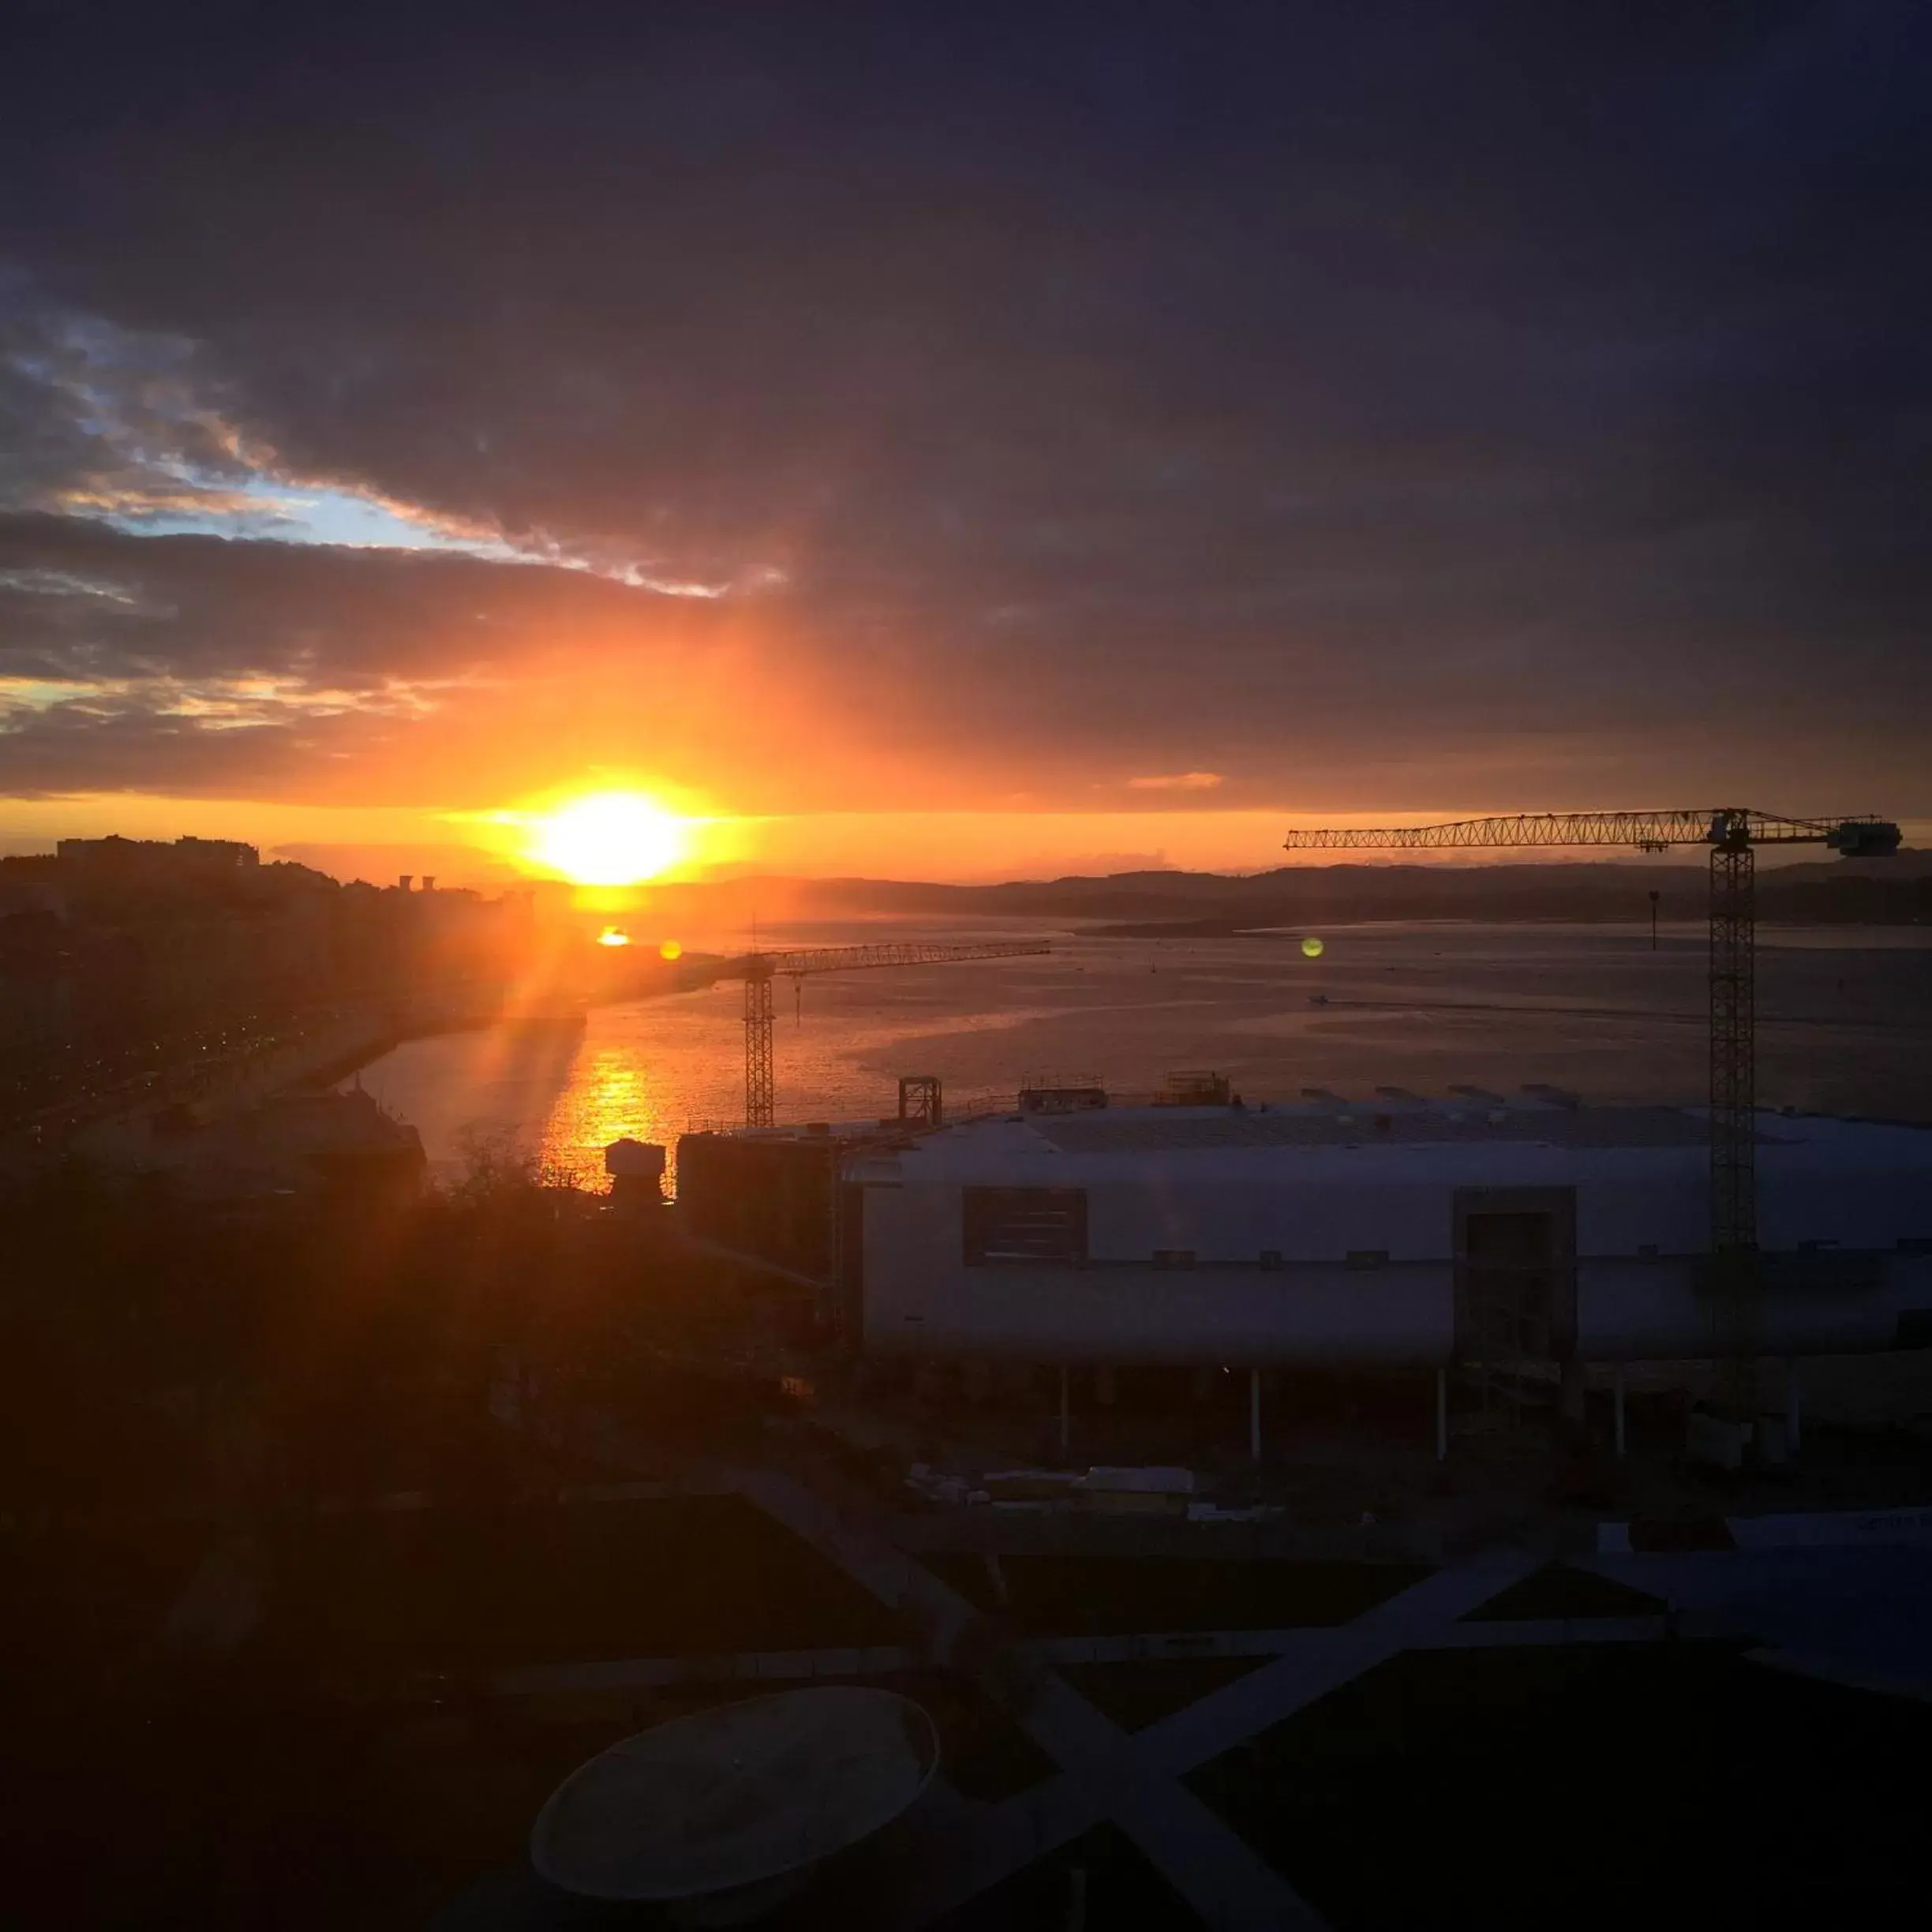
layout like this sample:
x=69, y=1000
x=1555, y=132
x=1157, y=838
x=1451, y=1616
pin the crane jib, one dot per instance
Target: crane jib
x=853, y=959
x=1859, y=837
x=758, y=970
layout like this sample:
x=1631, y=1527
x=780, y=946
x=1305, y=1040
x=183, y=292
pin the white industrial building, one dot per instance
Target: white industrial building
x=1392, y=1233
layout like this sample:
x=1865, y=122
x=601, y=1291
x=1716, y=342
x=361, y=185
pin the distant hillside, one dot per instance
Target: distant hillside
x=1823, y=893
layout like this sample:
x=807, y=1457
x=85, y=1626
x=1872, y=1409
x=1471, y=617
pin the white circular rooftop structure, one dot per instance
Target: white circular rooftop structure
x=735, y=1798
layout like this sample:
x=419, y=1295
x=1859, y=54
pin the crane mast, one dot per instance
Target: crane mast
x=1733, y=988
x=758, y=970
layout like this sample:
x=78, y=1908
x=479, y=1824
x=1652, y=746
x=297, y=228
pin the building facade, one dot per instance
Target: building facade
x=1396, y=1236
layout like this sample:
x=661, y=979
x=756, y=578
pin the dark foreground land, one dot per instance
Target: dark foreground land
x=319, y=1540
x=340, y=1766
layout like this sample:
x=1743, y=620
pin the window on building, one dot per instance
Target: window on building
x=1033, y=1226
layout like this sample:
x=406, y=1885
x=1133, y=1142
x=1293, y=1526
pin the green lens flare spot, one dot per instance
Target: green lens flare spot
x=1312, y=947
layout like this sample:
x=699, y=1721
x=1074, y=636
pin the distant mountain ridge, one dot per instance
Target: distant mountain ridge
x=1883, y=893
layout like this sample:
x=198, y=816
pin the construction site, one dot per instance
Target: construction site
x=1297, y=1470
x=1110, y=1502
x=1125, y=1376
x=1511, y=1252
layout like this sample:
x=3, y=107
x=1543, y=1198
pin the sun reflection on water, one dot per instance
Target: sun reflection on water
x=1445, y=1007
x=611, y=1096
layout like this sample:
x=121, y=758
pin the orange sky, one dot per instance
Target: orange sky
x=378, y=841
x=948, y=451
x=944, y=845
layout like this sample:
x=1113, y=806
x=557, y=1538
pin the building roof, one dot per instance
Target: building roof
x=1140, y=1129
x=1452, y=1142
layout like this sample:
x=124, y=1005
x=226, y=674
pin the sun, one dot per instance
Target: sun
x=610, y=838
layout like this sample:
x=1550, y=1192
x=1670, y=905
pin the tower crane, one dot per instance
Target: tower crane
x=758, y=970
x=1733, y=833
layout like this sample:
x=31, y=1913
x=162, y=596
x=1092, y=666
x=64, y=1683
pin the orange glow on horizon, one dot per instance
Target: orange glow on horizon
x=613, y=936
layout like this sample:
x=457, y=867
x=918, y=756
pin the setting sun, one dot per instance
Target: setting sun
x=612, y=838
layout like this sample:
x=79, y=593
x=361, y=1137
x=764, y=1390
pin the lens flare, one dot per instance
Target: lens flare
x=671, y=950
x=1312, y=947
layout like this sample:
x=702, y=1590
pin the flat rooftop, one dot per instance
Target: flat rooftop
x=1142, y=1129
x=1449, y=1140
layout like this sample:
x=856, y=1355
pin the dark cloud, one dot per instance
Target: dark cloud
x=83, y=600
x=1324, y=397
x=202, y=664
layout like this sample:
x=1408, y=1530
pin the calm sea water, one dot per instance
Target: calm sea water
x=1845, y=1026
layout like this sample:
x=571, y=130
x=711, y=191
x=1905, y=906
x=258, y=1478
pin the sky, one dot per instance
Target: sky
x=954, y=441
